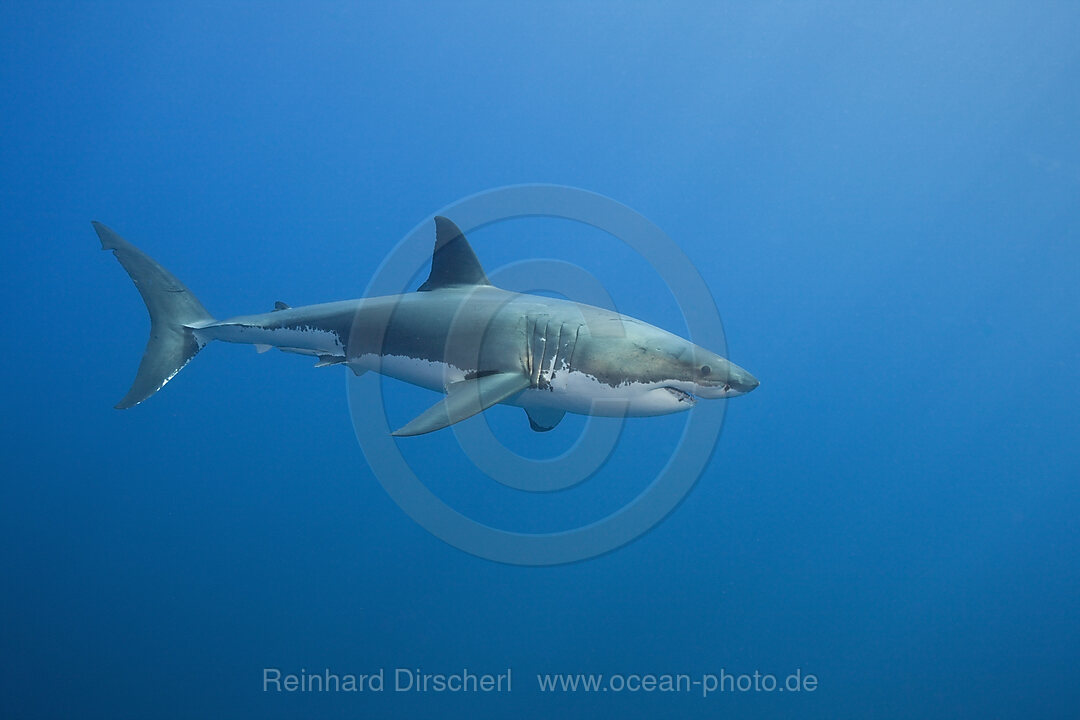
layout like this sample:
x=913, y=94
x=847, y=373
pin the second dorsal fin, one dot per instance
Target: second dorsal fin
x=453, y=262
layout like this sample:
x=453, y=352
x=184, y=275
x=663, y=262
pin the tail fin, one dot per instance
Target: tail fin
x=173, y=310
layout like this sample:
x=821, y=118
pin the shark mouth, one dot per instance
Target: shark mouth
x=681, y=395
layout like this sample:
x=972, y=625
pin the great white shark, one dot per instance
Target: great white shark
x=458, y=335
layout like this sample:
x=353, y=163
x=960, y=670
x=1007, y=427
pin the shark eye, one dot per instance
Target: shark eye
x=705, y=370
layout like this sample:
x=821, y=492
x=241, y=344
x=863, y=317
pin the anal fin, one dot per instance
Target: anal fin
x=328, y=360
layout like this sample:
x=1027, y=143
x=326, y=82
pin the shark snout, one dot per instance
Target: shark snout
x=726, y=380
x=741, y=381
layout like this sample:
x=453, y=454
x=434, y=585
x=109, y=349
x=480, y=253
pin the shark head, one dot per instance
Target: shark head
x=654, y=371
x=708, y=375
x=685, y=369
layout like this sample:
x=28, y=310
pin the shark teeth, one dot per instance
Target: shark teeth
x=681, y=395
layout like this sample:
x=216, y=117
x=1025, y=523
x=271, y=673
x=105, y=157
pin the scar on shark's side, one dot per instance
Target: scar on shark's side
x=458, y=335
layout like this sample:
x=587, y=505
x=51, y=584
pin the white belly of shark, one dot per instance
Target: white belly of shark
x=580, y=393
x=429, y=374
x=570, y=391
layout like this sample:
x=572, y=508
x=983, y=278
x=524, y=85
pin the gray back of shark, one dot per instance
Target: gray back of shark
x=458, y=335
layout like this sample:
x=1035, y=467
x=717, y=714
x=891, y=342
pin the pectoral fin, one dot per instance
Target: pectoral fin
x=465, y=399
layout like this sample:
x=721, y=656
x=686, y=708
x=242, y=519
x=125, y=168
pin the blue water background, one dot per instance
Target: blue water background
x=883, y=199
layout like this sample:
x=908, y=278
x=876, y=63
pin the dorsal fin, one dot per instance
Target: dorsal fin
x=278, y=306
x=453, y=262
